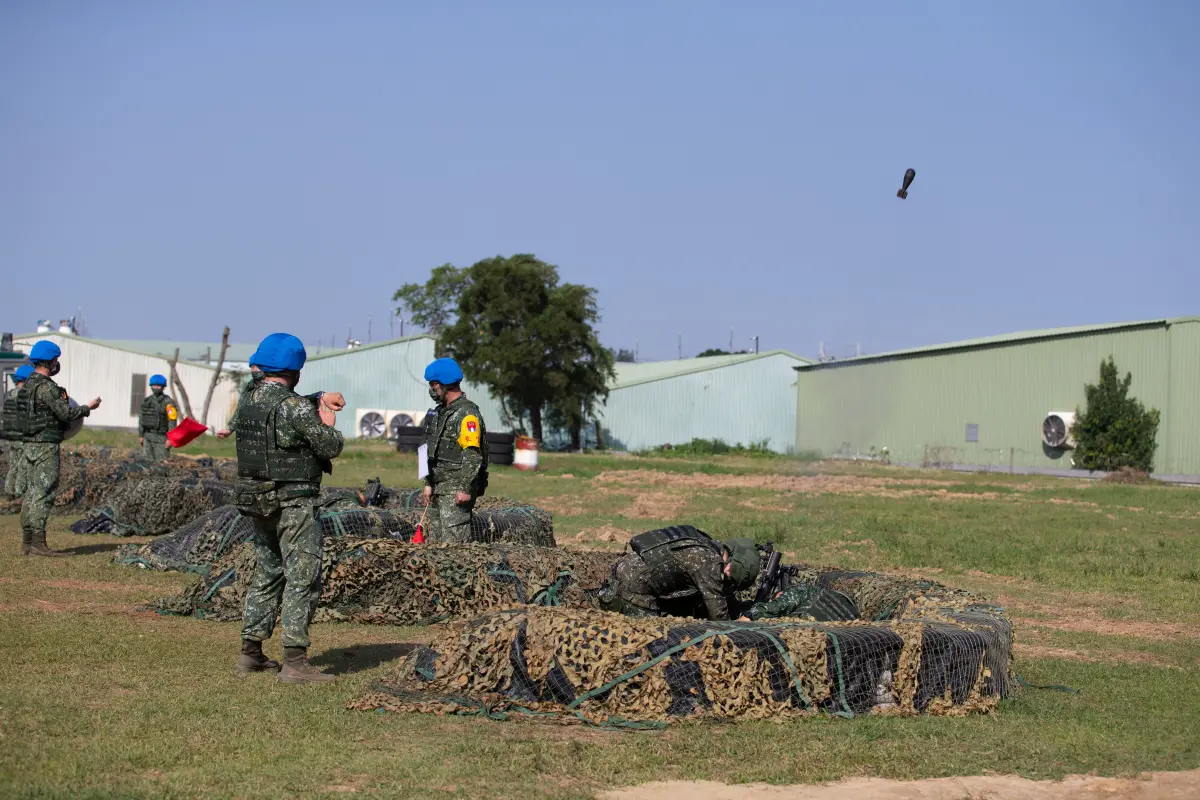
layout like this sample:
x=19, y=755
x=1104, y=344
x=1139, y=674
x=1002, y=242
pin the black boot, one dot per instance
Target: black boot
x=253, y=659
x=37, y=546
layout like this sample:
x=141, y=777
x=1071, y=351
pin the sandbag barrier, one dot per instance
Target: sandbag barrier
x=946, y=652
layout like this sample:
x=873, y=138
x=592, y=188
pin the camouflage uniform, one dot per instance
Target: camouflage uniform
x=43, y=416
x=677, y=571
x=247, y=386
x=807, y=599
x=456, y=440
x=283, y=447
x=159, y=415
x=12, y=439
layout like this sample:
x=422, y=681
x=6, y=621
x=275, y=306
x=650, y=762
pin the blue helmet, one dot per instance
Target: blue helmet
x=45, y=350
x=158, y=380
x=445, y=371
x=279, y=352
x=22, y=373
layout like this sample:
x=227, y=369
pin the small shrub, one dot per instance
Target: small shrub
x=713, y=447
x=1115, y=430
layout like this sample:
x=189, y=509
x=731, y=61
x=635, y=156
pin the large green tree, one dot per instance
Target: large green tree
x=1115, y=430
x=516, y=329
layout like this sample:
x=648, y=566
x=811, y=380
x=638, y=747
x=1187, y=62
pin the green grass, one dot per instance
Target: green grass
x=99, y=701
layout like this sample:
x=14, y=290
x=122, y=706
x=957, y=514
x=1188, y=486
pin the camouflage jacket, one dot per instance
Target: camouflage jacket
x=807, y=599
x=297, y=425
x=50, y=399
x=456, y=439
x=678, y=574
x=159, y=406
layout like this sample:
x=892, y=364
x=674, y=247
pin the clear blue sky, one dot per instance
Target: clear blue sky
x=173, y=168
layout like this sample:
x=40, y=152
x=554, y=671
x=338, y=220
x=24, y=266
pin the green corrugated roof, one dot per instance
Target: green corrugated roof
x=1004, y=338
x=188, y=351
x=633, y=374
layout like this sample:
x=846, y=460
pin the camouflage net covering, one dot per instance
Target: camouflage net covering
x=195, y=546
x=394, y=582
x=91, y=476
x=153, y=506
x=943, y=652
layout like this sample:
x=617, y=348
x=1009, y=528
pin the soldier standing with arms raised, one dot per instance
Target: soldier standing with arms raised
x=284, y=443
x=42, y=418
x=456, y=448
x=13, y=485
x=158, y=417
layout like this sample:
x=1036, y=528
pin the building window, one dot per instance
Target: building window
x=972, y=432
x=137, y=393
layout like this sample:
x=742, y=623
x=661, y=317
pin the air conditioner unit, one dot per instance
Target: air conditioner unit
x=371, y=423
x=1056, y=429
x=397, y=419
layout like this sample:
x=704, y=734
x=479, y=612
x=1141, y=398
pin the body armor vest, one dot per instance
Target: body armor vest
x=34, y=422
x=153, y=418
x=443, y=450
x=8, y=419
x=655, y=547
x=259, y=455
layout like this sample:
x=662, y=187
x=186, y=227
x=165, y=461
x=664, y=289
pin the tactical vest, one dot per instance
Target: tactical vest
x=656, y=547
x=448, y=453
x=8, y=419
x=35, y=422
x=154, y=414
x=259, y=455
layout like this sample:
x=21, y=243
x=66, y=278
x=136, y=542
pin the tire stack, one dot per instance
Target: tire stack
x=500, y=445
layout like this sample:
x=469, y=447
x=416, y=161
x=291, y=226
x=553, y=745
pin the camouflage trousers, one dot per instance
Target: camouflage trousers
x=614, y=595
x=14, y=480
x=287, y=578
x=447, y=521
x=154, y=447
x=39, y=462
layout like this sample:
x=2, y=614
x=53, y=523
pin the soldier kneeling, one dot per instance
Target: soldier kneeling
x=680, y=571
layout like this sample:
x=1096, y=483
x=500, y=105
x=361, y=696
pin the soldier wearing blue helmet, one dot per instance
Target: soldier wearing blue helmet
x=42, y=418
x=456, y=447
x=159, y=415
x=284, y=444
x=13, y=483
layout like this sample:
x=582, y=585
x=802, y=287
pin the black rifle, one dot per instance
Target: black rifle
x=770, y=575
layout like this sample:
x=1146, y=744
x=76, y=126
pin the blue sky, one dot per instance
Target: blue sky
x=172, y=168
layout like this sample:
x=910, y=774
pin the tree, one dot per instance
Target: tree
x=514, y=328
x=623, y=356
x=1116, y=430
x=712, y=351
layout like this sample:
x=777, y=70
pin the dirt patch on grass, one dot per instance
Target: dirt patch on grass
x=1119, y=657
x=1075, y=618
x=1147, y=786
x=98, y=586
x=605, y=533
x=562, y=506
x=759, y=505
x=656, y=505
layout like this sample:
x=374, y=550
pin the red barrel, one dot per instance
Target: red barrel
x=525, y=453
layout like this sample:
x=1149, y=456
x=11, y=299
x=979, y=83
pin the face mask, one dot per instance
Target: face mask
x=157, y=390
x=437, y=393
x=54, y=370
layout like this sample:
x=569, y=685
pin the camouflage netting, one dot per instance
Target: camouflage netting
x=943, y=652
x=398, y=583
x=195, y=546
x=90, y=476
x=153, y=506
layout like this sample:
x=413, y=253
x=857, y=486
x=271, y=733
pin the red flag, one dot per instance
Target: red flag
x=185, y=431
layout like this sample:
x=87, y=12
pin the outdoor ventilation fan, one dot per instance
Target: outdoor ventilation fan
x=1056, y=429
x=371, y=424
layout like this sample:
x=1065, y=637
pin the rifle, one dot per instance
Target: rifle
x=770, y=574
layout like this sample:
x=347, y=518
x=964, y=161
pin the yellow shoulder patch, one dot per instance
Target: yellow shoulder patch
x=171, y=412
x=468, y=431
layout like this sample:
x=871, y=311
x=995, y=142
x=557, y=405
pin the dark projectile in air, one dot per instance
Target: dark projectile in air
x=909, y=174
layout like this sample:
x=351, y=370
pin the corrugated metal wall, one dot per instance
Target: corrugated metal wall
x=744, y=403
x=387, y=377
x=91, y=369
x=920, y=407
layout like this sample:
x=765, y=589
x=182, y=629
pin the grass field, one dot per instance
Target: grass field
x=1102, y=582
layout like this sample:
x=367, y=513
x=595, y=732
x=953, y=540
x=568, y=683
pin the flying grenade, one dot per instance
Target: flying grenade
x=909, y=174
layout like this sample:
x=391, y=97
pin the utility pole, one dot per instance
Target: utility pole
x=680, y=343
x=637, y=349
x=368, y=330
x=731, y=340
x=392, y=326
x=755, y=340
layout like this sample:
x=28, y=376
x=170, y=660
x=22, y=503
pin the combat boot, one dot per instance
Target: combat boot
x=37, y=546
x=253, y=659
x=26, y=542
x=296, y=668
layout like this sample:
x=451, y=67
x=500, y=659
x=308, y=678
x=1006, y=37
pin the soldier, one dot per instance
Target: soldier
x=456, y=449
x=8, y=432
x=284, y=443
x=807, y=599
x=42, y=418
x=159, y=416
x=679, y=571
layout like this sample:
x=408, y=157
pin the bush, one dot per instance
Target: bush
x=713, y=447
x=1115, y=431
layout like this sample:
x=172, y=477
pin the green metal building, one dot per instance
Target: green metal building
x=982, y=403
